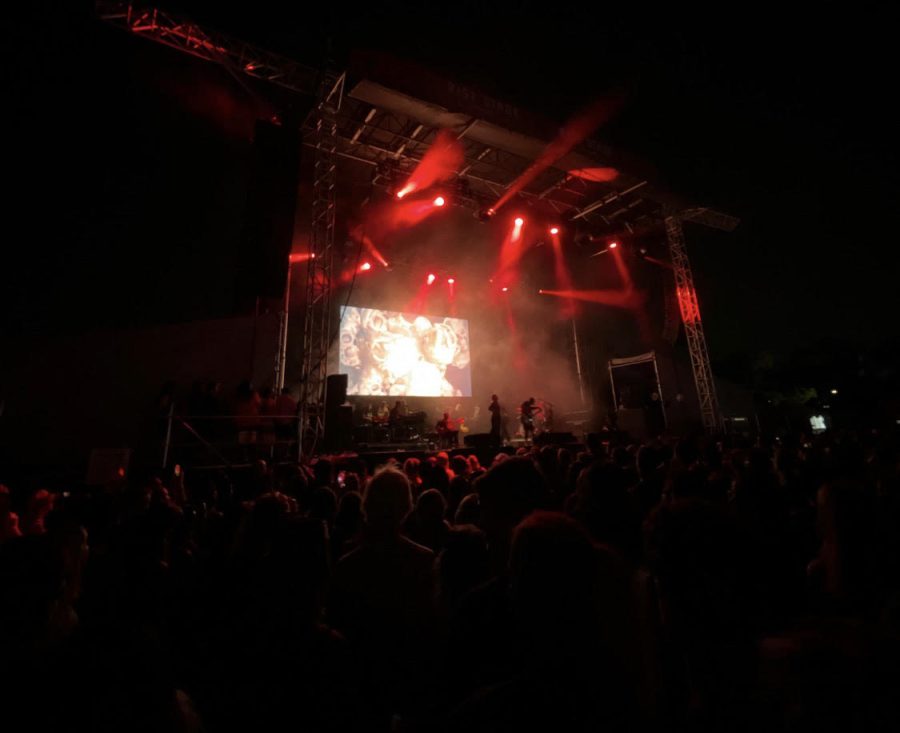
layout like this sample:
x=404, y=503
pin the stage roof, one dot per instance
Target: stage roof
x=392, y=110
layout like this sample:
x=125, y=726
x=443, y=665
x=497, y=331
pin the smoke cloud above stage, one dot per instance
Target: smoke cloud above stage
x=438, y=322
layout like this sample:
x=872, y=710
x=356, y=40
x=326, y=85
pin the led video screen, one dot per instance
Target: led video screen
x=404, y=354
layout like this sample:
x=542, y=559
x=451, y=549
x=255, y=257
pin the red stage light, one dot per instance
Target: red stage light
x=439, y=201
x=504, y=289
x=554, y=230
x=519, y=221
x=450, y=281
x=408, y=188
x=431, y=278
x=613, y=245
x=365, y=266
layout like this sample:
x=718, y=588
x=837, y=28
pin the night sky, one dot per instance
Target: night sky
x=783, y=122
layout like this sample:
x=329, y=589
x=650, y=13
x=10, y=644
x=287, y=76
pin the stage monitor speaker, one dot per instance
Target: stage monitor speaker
x=269, y=220
x=479, y=441
x=551, y=438
x=335, y=390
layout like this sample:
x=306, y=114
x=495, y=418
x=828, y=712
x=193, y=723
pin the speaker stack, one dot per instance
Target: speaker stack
x=338, y=414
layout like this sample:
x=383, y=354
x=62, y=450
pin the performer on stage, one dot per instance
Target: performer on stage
x=383, y=413
x=494, y=409
x=548, y=417
x=397, y=411
x=448, y=431
x=528, y=409
x=395, y=420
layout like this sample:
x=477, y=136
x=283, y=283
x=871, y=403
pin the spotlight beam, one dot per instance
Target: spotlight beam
x=439, y=163
x=574, y=132
x=616, y=298
x=563, y=278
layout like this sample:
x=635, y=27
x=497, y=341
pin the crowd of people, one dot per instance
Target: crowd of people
x=697, y=584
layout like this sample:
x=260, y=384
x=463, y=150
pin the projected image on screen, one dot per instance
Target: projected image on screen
x=404, y=354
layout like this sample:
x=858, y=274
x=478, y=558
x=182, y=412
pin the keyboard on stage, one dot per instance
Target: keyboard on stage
x=414, y=418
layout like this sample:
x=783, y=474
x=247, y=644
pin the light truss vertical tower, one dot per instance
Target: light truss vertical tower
x=317, y=324
x=693, y=326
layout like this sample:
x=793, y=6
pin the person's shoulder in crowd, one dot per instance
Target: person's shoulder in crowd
x=402, y=547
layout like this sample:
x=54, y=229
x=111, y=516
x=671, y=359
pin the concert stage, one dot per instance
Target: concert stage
x=456, y=246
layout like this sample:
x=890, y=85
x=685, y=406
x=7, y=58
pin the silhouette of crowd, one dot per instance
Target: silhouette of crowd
x=700, y=584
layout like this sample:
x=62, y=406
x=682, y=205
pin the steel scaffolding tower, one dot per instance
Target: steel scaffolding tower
x=693, y=326
x=317, y=324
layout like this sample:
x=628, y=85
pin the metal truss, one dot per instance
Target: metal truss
x=183, y=35
x=318, y=321
x=693, y=326
x=370, y=135
x=711, y=218
x=365, y=133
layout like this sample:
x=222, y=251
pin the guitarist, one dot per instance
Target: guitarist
x=527, y=412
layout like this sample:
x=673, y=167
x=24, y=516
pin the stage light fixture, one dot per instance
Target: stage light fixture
x=554, y=230
x=613, y=245
x=450, y=281
x=365, y=266
x=519, y=221
x=439, y=201
x=431, y=278
x=834, y=391
x=505, y=289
